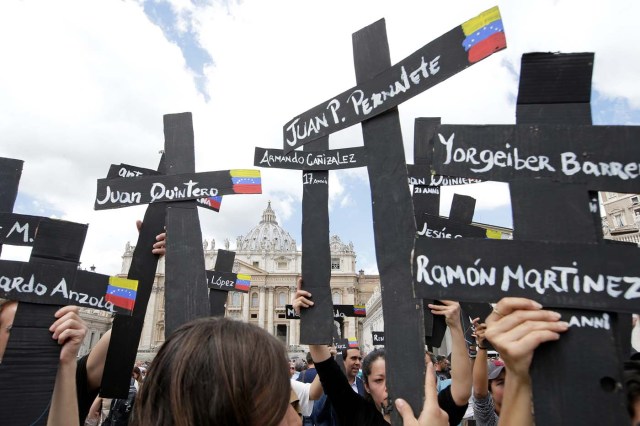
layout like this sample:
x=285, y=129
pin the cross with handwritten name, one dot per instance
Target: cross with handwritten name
x=553, y=160
x=177, y=187
x=315, y=162
x=381, y=88
x=221, y=281
x=48, y=281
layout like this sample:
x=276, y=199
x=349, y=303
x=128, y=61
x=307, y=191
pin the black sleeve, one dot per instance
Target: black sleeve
x=84, y=394
x=350, y=407
x=446, y=402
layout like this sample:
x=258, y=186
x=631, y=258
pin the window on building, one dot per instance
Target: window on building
x=159, y=332
x=256, y=264
x=337, y=298
x=254, y=300
x=335, y=263
x=282, y=265
x=282, y=316
x=254, y=316
x=235, y=298
x=635, y=200
x=618, y=220
x=282, y=299
x=636, y=215
x=281, y=332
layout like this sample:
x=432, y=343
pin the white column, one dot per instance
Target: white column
x=270, y=311
x=350, y=329
x=245, y=307
x=294, y=325
x=293, y=333
x=148, y=329
x=348, y=296
x=261, y=308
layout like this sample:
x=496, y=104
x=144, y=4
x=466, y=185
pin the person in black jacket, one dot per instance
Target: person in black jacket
x=353, y=409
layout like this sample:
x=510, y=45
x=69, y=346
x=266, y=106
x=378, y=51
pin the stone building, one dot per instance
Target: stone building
x=98, y=322
x=270, y=255
x=622, y=216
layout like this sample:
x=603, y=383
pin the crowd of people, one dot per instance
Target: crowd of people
x=216, y=371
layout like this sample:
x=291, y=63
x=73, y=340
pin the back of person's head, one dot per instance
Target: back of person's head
x=345, y=351
x=206, y=374
x=309, y=359
x=300, y=366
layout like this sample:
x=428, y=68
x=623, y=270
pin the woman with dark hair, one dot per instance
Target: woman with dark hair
x=373, y=376
x=374, y=409
x=206, y=373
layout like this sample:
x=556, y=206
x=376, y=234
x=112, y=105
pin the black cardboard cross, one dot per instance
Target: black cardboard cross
x=48, y=281
x=126, y=331
x=221, y=281
x=316, y=252
x=315, y=163
x=185, y=278
x=543, y=78
x=557, y=256
x=186, y=293
x=381, y=87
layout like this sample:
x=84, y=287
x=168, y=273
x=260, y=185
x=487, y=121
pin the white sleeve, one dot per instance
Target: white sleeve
x=302, y=390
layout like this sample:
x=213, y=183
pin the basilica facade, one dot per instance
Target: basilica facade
x=270, y=255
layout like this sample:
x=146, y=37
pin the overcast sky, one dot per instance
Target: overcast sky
x=85, y=84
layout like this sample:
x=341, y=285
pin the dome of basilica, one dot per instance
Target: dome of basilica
x=267, y=235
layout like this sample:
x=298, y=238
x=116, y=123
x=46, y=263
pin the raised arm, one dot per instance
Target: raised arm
x=461, y=367
x=516, y=327
x=480, y=374
x=316, y=389
x=98, y=355
x=96, y=360
x=69, y=330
